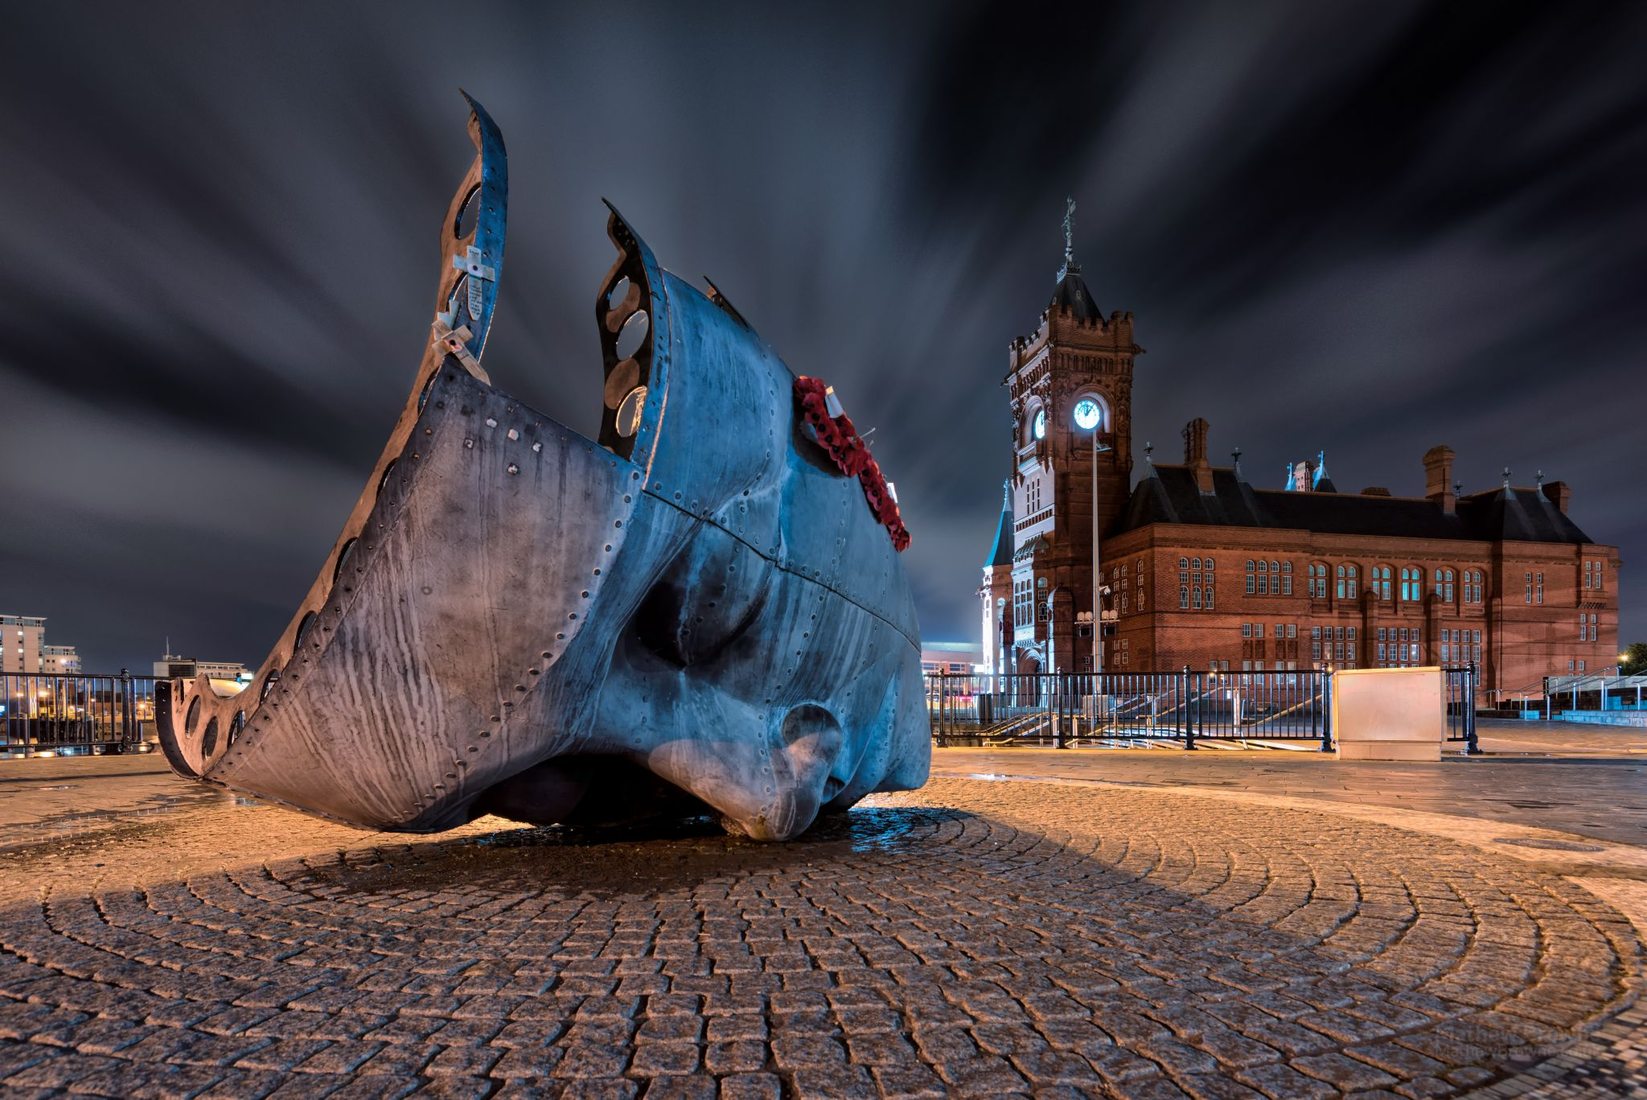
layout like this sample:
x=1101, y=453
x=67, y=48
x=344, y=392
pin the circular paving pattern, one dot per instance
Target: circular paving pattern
x=972, y=938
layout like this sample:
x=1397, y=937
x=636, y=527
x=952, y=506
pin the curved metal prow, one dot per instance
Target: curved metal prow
x=198, y=727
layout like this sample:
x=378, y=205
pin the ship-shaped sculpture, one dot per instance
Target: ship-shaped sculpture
x=697, y=612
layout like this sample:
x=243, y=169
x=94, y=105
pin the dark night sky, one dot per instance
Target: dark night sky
x=1367, y=228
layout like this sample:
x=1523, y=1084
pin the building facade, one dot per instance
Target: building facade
x=21, y=638
x=1200, y=568
x=172, y=667
x=60, y=660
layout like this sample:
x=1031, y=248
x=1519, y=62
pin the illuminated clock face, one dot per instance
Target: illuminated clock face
x=1040, y=425
x=1087, y=414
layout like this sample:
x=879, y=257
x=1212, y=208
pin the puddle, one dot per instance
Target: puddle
x=1548, y=845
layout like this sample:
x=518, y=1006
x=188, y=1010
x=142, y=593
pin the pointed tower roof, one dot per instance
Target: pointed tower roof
x=1072, y=293
x=1322, y=482
x=1002, y=552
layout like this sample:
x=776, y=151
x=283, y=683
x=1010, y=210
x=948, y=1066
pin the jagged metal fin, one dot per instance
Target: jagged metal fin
x=472, y=240
x=725, y=303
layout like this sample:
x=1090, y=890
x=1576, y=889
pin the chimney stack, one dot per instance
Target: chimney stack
x=1195, y=454
x=1438, y=478
x=1559, y=493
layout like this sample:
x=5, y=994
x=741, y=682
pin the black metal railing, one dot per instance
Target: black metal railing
x=1117, y=708
x=44, y=712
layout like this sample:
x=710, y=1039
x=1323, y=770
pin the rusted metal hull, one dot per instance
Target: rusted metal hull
x=696, y=610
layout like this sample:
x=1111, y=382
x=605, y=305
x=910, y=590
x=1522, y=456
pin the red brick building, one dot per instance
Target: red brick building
x=1204, y=569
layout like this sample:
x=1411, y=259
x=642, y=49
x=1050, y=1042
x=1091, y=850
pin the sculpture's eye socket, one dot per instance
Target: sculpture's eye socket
x=705, y=601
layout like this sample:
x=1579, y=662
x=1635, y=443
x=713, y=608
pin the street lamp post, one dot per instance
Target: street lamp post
x=1089, y=416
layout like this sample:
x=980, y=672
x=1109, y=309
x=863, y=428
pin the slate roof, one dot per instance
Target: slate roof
x=1072, y=294
x=1171, y=496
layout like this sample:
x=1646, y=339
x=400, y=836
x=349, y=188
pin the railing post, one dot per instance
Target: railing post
x=1471, y=746
x=1183, y=705
x=1326, y=710
x=125, y=709
x=30, y=712
x=1054, y=707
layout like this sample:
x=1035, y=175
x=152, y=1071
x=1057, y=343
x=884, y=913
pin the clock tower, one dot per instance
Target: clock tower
x=1070, y=386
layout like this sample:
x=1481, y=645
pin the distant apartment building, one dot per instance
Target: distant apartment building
x=951, y=657
x=173, y=667
x=23, y=636
x=61, y=660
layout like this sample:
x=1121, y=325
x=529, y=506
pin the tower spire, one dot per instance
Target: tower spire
x=1069, y=233
x=1072, y=293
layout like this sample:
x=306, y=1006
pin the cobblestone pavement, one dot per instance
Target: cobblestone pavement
x=971, y=938
x=1599, y=797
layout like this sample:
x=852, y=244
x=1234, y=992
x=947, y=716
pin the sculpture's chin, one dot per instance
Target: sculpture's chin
x=540, y=795
x=588, y=791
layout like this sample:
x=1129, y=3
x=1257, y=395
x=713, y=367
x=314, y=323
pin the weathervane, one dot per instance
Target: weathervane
x=1236, y=455
x=1069, y=229
x=1149, y=449
x=1506, y=477
x=1538, y=479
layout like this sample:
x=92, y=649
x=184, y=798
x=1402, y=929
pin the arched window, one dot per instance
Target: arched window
x=1444, y=585
x=1379, y=584
x=1263, y=578
x=1412, y=584
x=1318, y=581
x=1349, y=582
x=1473, y=586
x=1286, y=578
x=1251, y=575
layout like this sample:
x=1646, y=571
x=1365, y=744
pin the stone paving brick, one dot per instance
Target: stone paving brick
x=1282, y=1082
x=1343, y=1072
x=751, y=1086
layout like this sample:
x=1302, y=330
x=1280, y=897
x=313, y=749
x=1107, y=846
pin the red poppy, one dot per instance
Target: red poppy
x=846, y=449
